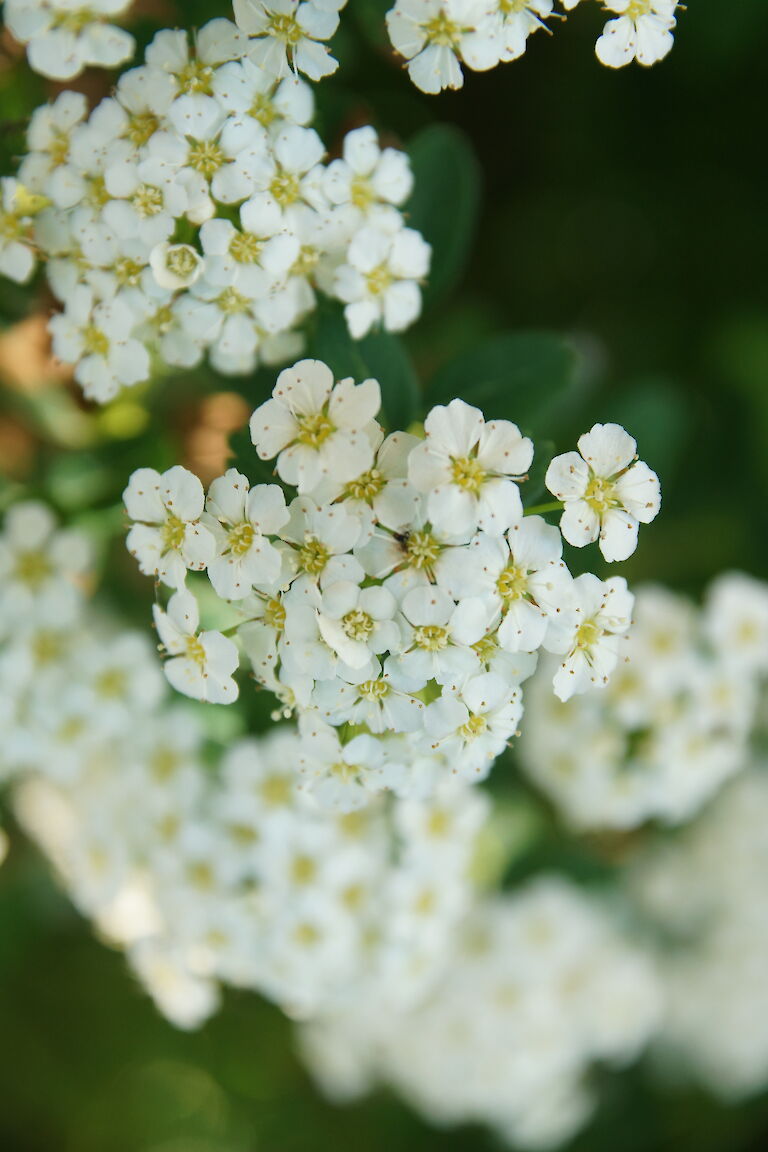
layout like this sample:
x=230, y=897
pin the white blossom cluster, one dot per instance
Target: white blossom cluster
x=541, y=988
x=437, y=36
x=65, y=36
x=193, y=212
x=399, y=598
x=706, y=892
x=675, y=721
x=208, y=867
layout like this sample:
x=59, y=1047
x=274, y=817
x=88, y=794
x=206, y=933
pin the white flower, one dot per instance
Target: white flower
x=314, y=428
x=323, y=537
x=379, y=283
x=250, y=93
x=98, y=338
x=167, y=537
x=356, y=622
x=642, y=32
x=606, y=491
x=287, y=34
x=65, y=36
x=433, y=35
x=17, y=255
x=472, y=724
x=603, y=612
x=522, y=579
x=438, y=637
x=199, y=664
x=382, y=494
x=519, y=18
x=470, y=469
x=340, y=776
x=367, y=178
x=736, y=622
x=376, y=702
x=175, y=265
x=39, y=566
x=241, y=518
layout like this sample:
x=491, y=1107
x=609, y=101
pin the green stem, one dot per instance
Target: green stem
x=539, y=509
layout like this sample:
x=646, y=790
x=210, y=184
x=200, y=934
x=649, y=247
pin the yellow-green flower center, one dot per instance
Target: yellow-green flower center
x=475, y=726
x=467, y=473
x=172, y=533
x=206, y=157
x=32, y=568
x=373, y=690
x=195, y=651
x=431, y=636
x=111, y=684
x=588, y=634
x=245, y=248
x=274, y=614
x=422, y=549
x=195, y=77
x=379, y=280
x=233, y=303
x=142, y=128
x=95, y=342
x=182, y=261
x=263, y=109
x=240, y=539
x=442, y=30
x=147, y=201
x=512, y=584
x=365, y=487
x=362, y=193
x=358, y=625
x=286, y=28
x=314, y=429
x=285, y=188
x=313, y=556
x=600, y=494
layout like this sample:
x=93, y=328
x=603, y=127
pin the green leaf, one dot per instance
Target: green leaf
x=380, y=355
x=525, y=377
x=535, y=490
x=655, y=413
x=445, y=203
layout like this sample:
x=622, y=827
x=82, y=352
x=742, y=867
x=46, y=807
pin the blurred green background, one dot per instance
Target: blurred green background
x=623, y=210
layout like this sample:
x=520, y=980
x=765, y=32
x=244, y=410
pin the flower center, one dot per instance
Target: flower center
x=422, y=549
x=366, y=487
x=128, y=272
x=74, y=21
x=148, y=201
x=142, y=128
x=467, y=473
x=285, y=188
x=474, y=727
x=588, y=634
x=263, y=109
x=313, y=556
x=32, y=568
x=233, y=303
x=195, y=77
x=358, y=625
x=343, y=771
x=206, y=157
x=164, y=764
x=182, y=261
x=240, y=539
x=195, y=651
x=286, y=28
x=373, y=690
x=379, y=280
x=306, y=261
x=111, y=685
x=11, y=227
x=599, y=494
x=95, y=342
x=58, y=149
x=638, y=8
x=314, y=429
x=362, y=193
x=275, y=790
x=303, y=869
x=512, y=583
x=274, y=614
x=442, y=30
x=245, y=248
x=48, y=647
x=172, y=533
x=431, y=636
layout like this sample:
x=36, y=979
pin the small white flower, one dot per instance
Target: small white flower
x=367, y=178
x=603, y=613
x=322, y=539
x=376, y=702
x=642, y=31
x=434, y=35
x=65, y=36
x=167, y=537
x=736, y=622
x=175, y=266
x=201, y=664
x=315, y=428
x=17, y=254
x=606, y=491
x=356, y=622
x=241, y=518
x=287, y=35
x=98, y=338
x=470, y=469
x=472, y=724
x=438, y=637
x=520, y=18
x=380, y=281
x=339, y=776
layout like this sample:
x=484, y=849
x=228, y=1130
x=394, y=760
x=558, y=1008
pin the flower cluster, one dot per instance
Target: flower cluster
x=207, y=866
x=706, y=893
x=437, y=36
x=398, y=600
x=675, y=721
x=193, y=212
x=542, y=987
x=65, y=36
